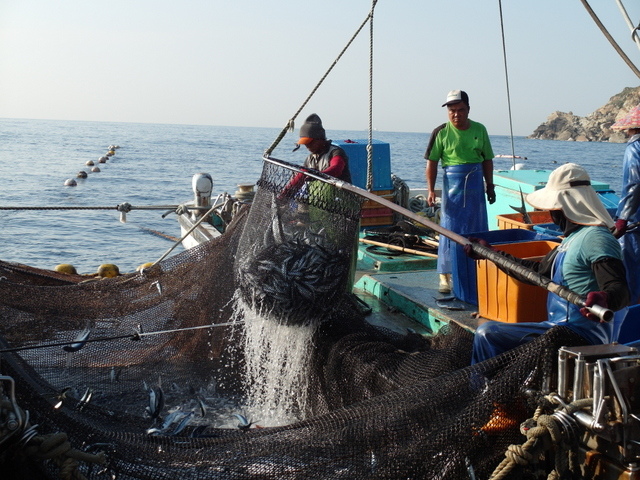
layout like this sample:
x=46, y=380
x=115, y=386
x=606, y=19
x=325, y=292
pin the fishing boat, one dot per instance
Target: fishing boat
x=248, y=356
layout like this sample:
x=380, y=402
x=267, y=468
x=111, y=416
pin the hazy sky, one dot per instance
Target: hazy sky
x=253, y=62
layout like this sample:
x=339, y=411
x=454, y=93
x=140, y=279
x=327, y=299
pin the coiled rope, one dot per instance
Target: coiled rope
x=540, y=430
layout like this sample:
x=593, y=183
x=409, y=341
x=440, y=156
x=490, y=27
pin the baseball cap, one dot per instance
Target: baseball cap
x=456, y=96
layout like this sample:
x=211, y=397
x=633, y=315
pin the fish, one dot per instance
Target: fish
x=79, y=342
x=521, y=209
x=171, y=418
x=450, y=306
x=86, y=398
x=61, y=396
x=244, y=423
x=156, y=402
x=203, y=408
x=183, y=423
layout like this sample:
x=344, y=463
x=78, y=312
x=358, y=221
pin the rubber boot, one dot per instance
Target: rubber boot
x=445, y=283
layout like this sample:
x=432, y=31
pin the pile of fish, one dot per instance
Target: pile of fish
x=295, y=282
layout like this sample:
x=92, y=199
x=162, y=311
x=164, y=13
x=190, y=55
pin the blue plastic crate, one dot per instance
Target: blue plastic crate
x=356, y=150
x=464, y=268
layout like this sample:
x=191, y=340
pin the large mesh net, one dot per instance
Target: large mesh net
x=245, y=358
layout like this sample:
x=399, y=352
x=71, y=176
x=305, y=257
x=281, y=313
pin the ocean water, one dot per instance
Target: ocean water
x=154, y=166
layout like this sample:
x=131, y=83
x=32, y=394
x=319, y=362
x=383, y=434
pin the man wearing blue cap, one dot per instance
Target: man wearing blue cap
x=464, y=150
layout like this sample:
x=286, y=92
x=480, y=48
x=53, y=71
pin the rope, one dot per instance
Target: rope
x=290, y=124
x=506, y=76
x=613, y=43
x=539, y=428
x=123, y=207
x=370, y=142
x=522, y=455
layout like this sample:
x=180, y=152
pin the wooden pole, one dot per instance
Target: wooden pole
x=399, y=248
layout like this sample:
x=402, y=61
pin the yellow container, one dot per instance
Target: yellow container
x=505, y=299
x=515, y=220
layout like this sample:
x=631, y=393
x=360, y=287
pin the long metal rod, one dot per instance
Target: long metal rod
x=608, y=36
x=505, y=263
x=634, y=29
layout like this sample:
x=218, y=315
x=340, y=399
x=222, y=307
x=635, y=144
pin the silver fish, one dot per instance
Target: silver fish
x=244, y=423
x=172, y=418
x=86, y=398
x=183, y=423
x=156, y=402
x=79, y=342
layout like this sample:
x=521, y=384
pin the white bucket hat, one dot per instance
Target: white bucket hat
x=569, y=189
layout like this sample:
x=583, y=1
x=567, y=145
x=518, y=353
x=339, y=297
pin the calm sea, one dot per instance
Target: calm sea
x=154, y=166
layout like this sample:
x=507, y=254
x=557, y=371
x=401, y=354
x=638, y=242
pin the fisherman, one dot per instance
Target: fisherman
x=464, y=149
x=628, y=209
x=588, y=262
x=323, y=155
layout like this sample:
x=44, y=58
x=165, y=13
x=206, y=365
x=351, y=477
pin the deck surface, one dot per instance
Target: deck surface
x=409, y=299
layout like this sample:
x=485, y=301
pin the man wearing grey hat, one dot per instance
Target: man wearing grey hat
x=463, y=148
x=588, y=262
x=323, y=155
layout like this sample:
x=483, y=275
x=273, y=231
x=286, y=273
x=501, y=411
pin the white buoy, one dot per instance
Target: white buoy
x=95, y=169
x=89, y=163
x=70, y=182
x=103, y=159
x=81, y=174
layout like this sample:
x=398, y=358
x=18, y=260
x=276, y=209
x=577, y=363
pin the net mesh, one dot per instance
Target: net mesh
x=245, y=358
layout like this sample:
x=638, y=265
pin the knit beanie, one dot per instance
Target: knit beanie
x=311, y=129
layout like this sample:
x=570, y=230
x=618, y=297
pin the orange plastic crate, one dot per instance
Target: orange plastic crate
x=505, y=299
x=515, y=220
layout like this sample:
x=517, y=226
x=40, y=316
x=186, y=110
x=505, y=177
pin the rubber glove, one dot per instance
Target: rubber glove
x=468, y=250
x=620, y=228
x=595, y=298
x=491, y=193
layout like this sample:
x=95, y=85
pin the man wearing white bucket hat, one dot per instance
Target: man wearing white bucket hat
x=628, y=209
x=588, y=262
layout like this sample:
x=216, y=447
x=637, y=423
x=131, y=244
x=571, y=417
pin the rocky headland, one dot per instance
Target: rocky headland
x=595, y=127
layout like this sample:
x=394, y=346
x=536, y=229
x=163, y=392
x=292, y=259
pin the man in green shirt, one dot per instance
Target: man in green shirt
x=463, y=148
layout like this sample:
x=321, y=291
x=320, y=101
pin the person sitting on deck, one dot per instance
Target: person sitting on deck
x=588, y=262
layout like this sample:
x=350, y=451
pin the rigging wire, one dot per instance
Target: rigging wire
x=506, y=76
x=613, y=43
x=290, y=124
x=136, y=335
x=634, y=29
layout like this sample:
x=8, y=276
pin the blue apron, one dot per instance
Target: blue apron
x=464, y=209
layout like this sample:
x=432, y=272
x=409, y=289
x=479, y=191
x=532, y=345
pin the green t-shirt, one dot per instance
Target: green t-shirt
x=457, y=147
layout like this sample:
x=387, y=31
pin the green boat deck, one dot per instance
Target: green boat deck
x=402, y=292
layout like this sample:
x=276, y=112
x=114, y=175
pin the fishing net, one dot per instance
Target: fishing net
x=245, y=357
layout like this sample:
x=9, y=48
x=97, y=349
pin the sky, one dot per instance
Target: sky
x=253, y=62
